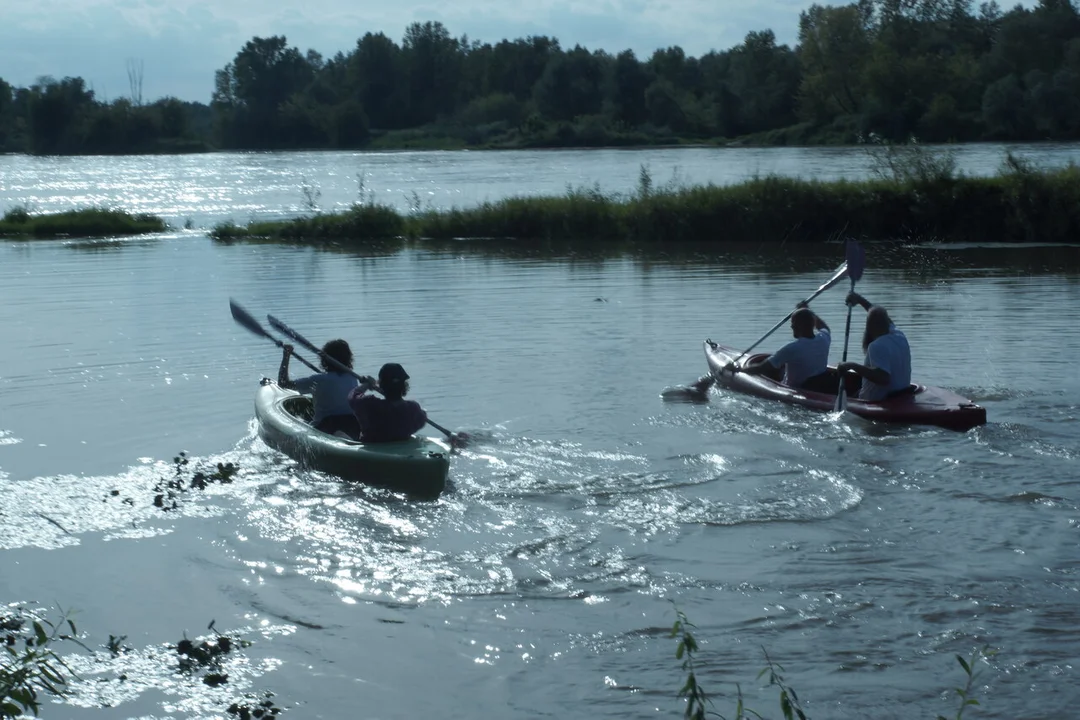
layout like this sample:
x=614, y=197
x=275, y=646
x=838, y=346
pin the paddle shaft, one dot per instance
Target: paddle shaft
x=249, y=323
x=856, y=262
x=837, y=277
x=841, y=392
x=286, y=330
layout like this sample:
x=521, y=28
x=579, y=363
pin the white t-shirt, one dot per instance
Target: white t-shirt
x=803, y=358
x=890, y=353
x=329, y=391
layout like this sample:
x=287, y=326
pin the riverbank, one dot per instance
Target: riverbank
x=82, y=223
x=921, y=199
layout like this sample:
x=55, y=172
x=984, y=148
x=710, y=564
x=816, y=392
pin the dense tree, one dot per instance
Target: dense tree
x=433, y=63
x=571, y=85
x=629, y=81
x=932, y=69
x=254, y=95
x=375, y=78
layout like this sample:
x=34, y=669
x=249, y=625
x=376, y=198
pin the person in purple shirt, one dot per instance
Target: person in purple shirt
x=391, y=417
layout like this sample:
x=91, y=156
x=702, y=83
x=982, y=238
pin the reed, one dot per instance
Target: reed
x=930, y=203
x=19, y=222
x=367, y=221
x=699, y=704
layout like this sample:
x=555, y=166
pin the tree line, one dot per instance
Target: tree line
x=937, y=70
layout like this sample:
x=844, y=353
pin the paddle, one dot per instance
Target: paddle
x=457, y=439
x=701, y=387
x=249, y=323
x=837, y=276
x=856, y=263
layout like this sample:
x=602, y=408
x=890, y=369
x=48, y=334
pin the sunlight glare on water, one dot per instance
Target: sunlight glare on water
x=862, y=557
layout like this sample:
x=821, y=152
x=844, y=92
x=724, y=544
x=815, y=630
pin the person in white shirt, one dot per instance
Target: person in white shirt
x=886, y=370
x=805, y=359
x=329, y=390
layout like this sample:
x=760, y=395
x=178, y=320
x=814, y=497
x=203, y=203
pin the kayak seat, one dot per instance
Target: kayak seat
x=909, y=390
x=300, y=407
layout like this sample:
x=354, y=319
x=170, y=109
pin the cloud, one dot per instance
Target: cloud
x=181, y=43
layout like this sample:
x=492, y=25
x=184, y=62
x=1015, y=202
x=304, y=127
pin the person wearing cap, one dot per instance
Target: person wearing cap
x=329, y=390
x=391, y=417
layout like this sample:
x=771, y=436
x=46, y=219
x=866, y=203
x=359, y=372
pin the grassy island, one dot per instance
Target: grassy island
x=83, y=223
x=918, y=198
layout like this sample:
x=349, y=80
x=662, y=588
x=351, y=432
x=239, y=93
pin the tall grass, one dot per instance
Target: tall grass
x=913, y=199
x=83, y=223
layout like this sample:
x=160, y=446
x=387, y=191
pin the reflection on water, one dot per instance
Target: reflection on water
x=862, y=557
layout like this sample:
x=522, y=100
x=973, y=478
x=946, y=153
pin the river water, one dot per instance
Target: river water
x=861, y=558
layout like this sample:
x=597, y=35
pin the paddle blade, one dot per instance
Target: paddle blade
x=841, y=273
x=244, y=318
x=696, y=392
x=856, y=260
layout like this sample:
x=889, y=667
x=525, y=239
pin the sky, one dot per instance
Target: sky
x=179, y=44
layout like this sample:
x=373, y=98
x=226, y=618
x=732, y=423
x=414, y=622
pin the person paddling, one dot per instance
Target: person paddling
x=389, y=418
x=329, y=390
x=804, y=360
x=886, y=370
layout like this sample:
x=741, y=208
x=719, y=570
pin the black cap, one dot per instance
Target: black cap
x=391, y=373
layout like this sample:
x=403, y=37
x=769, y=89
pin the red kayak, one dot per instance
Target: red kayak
x=924, y=405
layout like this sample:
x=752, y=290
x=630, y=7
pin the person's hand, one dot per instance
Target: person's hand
x=368, y=382
x=287, y=348
x=845, y=367
x=854, y=298
x=731, y=368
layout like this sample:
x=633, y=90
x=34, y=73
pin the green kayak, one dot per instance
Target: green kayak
x=417, y=466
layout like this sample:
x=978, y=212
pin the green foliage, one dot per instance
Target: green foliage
x=938, y=70
x=917, y=195
x=29, y=665
x=966, y=693
x=789, y=701
x=254, y=706
x=698, y=703
x=85, y=223
x=910, y=162
x=941, y=71
x=169, y=490
x=367, y=221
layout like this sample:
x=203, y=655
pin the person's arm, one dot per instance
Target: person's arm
x=877, y=376
x=283, y=371
x=756, y=368
x=356, y=400
x=819, y=324
x=854, y=298
x=419, y=418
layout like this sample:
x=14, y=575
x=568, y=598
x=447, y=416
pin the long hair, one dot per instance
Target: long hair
x=877, y=324
x=338, y=350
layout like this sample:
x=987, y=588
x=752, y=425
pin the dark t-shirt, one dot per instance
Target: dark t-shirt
x=383, y=420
